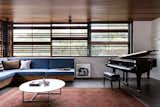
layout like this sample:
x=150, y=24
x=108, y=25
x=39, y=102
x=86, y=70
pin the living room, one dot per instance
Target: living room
x=56, y=53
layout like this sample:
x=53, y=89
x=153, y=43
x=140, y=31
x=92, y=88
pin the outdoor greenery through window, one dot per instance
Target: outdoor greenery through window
x=96, y=39
x=31, y=40
x=109, y=39
x=69, y=39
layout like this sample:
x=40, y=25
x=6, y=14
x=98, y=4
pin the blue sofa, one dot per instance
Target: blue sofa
x=60, y=68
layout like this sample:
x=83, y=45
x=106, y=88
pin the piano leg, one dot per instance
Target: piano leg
x=114, y=70
x=119, y=83
x=139, y=82
x=104, y=81
x=127, y=78
x=148, y=74
x=123, y=76
x=111, y=84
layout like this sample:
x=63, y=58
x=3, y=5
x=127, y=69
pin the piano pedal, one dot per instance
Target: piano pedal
x=139, y=90
x=125, y=83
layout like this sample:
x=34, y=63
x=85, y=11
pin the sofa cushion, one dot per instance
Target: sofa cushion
x=31, y=72
x=39, y=63
x=7, y=65
x=58, y=72
x=61, y=63
x=7, y=74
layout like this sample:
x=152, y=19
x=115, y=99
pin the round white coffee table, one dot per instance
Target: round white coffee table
x=54, y=84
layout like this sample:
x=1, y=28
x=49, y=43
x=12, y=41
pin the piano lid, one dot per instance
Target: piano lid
x=123, y=60
x=134, y=54
x=139, y=54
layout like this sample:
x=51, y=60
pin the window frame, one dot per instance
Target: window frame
x=71, y=26
x=1, y=39
x=89, y=54
x=32, y=43
x=130, y=34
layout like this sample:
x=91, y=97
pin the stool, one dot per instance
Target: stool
x=112, y=77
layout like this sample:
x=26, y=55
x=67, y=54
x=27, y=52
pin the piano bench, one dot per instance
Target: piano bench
x=112, y=77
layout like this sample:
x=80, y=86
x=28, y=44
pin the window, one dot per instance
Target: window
x=31, y=40
x=109, y=39
x=1, y=41
x=95, y=39
x=69, y=40
x=50, y=40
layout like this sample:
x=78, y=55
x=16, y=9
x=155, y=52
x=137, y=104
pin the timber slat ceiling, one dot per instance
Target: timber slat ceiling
x=80, y=10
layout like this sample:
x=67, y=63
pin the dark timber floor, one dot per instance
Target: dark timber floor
x=150, y=94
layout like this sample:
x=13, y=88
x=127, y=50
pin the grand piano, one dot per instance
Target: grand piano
x=137, y=63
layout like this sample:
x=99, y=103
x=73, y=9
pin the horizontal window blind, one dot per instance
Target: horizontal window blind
x=69, y=48
x=31, y=40
x=69, y=39
x=109, y=39
x=31, y=50
x=95, y=39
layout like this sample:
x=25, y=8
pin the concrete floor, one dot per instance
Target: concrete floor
x=149, y=95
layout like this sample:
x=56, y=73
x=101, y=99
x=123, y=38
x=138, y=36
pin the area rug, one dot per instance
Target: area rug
x=74, y=97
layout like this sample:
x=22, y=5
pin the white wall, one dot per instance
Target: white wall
x=156, y=34
x=97, y=65
x=142, y=31
x=146, y=36
x=155, y=41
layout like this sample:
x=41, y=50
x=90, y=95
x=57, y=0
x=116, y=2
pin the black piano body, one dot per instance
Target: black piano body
x=137, y=63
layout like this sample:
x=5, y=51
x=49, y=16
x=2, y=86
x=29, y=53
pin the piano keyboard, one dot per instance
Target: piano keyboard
x=121, y=67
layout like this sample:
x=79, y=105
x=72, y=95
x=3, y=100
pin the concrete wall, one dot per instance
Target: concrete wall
x=156, y=34
x=155, y=41
x=142, y=31
x=97, y=65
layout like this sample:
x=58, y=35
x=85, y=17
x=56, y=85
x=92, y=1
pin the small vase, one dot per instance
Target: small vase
x=46, y=83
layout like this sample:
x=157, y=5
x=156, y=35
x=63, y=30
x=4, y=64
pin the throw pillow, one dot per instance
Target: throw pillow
x=7, y=65
x=25, y=64
x=1, y=65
